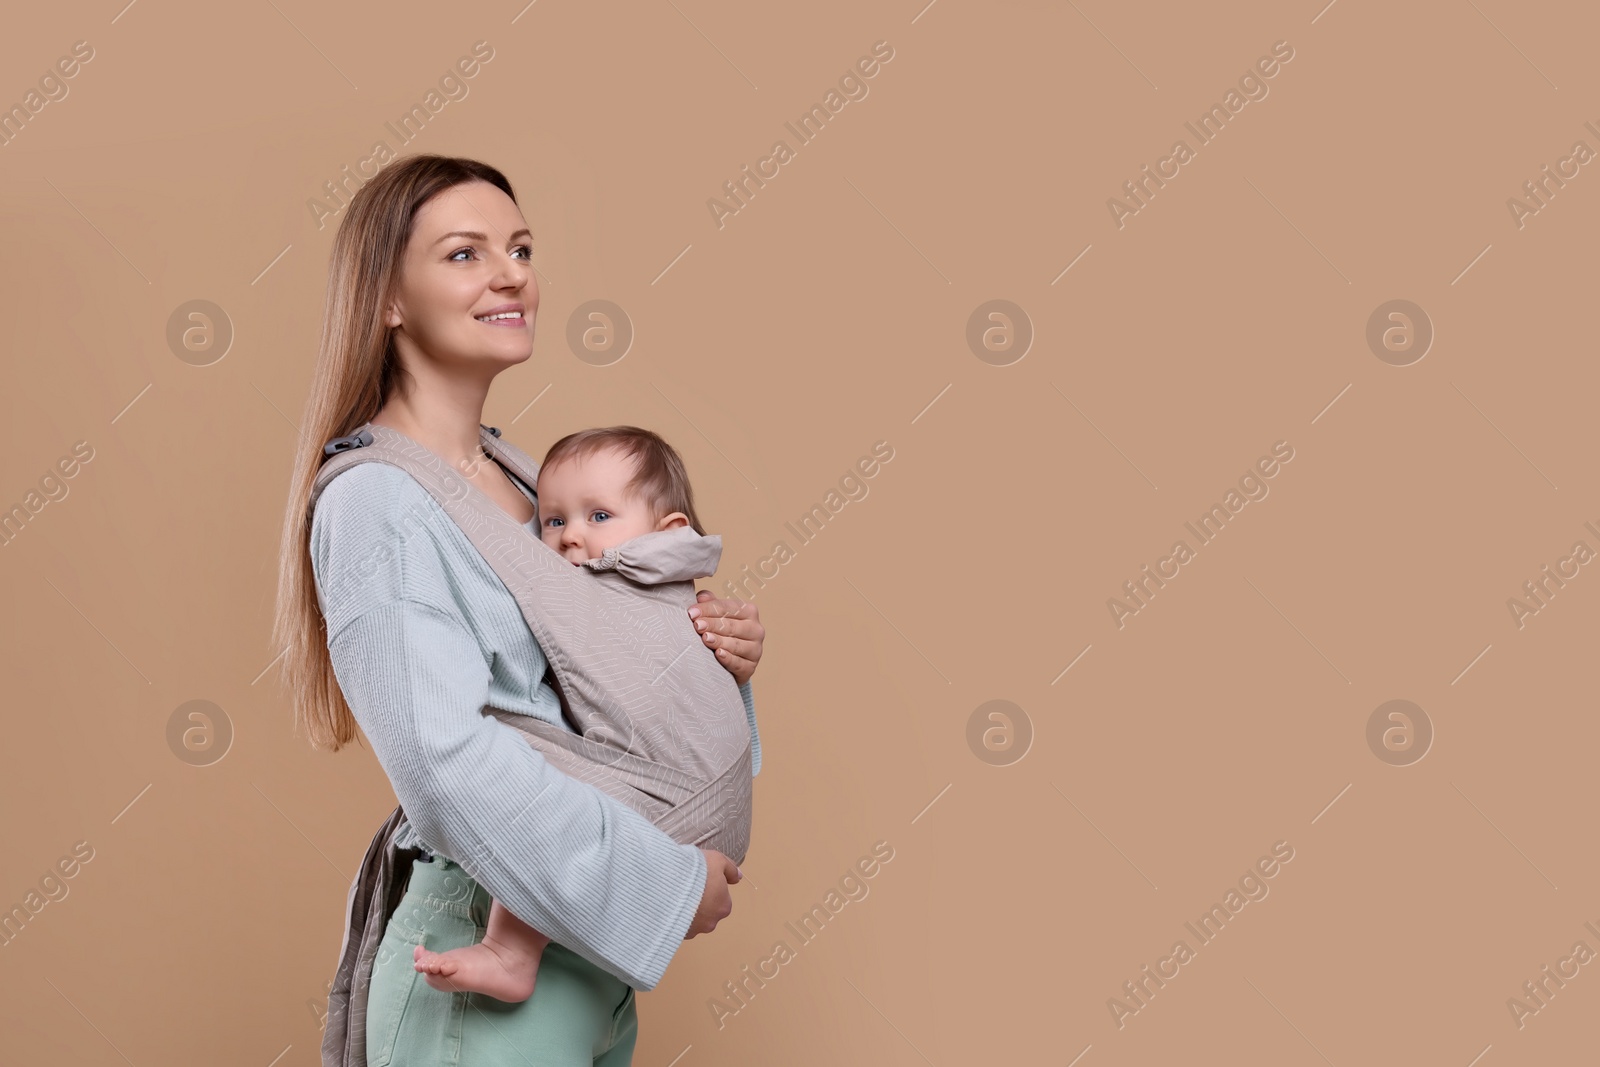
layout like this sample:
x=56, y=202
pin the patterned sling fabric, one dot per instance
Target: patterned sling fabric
x=660, y=724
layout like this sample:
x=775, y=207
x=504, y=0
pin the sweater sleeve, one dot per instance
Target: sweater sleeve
x=574, y=863
x=755, y=737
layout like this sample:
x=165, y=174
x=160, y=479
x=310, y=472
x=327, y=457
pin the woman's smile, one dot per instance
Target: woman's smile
x=505, y=315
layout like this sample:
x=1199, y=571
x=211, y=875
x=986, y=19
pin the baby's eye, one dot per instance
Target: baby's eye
x=552, y=523
x=600, y=516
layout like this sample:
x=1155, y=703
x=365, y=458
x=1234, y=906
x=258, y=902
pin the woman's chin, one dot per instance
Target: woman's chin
x=509, y=355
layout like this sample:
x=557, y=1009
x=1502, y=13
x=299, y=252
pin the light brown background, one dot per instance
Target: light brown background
x=822, y=318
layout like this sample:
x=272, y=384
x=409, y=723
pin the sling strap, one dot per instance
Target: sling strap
x=656, y=721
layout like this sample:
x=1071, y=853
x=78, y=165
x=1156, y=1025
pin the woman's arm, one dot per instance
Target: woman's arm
x=569, y=860
x=577, y=865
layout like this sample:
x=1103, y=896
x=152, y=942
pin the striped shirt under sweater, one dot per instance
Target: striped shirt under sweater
x=423, y=634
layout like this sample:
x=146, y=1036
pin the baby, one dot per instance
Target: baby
x=596, y=489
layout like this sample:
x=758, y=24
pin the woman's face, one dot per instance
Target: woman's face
x=469, y=257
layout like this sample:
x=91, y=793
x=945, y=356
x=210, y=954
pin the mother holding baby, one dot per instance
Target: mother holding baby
x=400, y=627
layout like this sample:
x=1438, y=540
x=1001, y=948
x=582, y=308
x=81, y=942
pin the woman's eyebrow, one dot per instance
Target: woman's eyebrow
x=474, y=235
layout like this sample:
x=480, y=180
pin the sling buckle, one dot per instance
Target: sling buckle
x=344, y=444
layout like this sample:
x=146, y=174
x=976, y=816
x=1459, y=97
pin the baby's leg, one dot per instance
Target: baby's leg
x=503, y=965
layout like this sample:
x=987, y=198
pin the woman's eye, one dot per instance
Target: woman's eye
x=528, y=249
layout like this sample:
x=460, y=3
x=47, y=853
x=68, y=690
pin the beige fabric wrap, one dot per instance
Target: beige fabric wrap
x=660, y=724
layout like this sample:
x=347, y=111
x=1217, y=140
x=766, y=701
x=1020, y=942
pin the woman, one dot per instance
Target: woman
x=393, y=621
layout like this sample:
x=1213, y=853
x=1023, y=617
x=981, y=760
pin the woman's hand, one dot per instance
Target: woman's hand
x=716, y=903
x=733, y=628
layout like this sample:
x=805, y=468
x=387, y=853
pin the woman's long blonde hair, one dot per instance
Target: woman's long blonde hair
x=357, y=370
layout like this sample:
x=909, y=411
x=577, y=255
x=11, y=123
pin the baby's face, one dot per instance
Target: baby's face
x=584, y=507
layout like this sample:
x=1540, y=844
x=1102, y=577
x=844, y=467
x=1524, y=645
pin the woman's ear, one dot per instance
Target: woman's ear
x=391, y=316
x=673, y=521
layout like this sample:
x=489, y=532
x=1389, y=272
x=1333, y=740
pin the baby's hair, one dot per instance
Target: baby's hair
x=660, y=477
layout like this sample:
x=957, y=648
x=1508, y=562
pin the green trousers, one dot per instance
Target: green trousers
x=578, y=1014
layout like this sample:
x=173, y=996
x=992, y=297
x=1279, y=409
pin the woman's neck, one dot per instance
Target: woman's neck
x=449, y=431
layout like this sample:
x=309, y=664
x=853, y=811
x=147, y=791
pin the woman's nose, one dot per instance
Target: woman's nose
x=509, y=273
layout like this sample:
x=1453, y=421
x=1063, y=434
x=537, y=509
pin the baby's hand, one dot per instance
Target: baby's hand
x=733, y=628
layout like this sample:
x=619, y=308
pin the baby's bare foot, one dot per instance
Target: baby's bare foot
x=490, y=968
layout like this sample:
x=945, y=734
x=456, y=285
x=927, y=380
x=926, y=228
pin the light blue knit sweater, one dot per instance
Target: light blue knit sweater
x=422, y=634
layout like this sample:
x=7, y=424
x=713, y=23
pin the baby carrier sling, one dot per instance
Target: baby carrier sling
x=660, y=724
